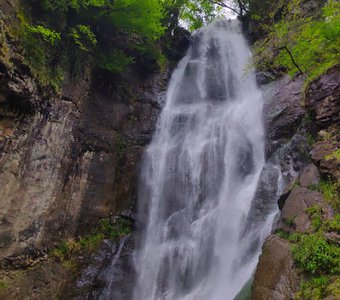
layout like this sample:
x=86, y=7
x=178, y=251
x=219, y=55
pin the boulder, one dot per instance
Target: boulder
x=294, y=217
x=275, y=277
x=323, y=154
x=309, y=176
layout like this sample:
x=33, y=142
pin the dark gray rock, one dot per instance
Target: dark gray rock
x=323, y=99
x=283, y=111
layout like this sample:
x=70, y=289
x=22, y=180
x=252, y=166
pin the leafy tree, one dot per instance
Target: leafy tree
x=143, y=17
x=63, y=34
x=302, y=44
x=199, y=12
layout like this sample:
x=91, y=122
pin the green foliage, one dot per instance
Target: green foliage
x=315, y=255
x=60, y=36
x=71, y=247
x=91, y=242
x=66, y=249
x=290, y=222
x=310, y=139
x=335, y=155
x=333, y=224
x=318, y=256
x=198, y=13
x=41, y=53
x=322, y=223
x=330, y=191
x=315, y=213
x=115, y=62
x=47, y=34
x=5, y=50
x=83, y=37
x=302, y=44
x=143, y=17
x=3, y=285
x=321, y=287
x=313, y=289
x=282, y=234
x=54, y=5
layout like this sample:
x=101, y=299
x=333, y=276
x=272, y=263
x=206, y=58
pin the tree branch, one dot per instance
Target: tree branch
x=293, y=60
x=220, y=3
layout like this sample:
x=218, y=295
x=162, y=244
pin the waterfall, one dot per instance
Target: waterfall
x=199, y=176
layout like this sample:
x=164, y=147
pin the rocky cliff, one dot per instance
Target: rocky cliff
x=67, y=161
x=303, y=127
x=302, y=120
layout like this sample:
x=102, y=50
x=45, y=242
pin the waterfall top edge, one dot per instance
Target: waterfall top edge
x=229, y=25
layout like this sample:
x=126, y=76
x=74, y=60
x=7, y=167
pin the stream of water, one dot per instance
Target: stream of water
x=200, y=174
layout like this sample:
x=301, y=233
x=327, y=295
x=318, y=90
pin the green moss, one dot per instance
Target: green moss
x=333, y=224
x=120, y=146
x=313, y=289
x=333, y=288
x=310, y=139
x=290, y=222
x=3, y=285
x=318, y=288
x=335, y=155
x=5, y=50
x=330, y=192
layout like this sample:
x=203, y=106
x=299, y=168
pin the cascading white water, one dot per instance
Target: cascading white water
x=199, y=176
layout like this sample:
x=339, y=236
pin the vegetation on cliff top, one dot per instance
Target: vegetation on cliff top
x=301, y=44
x=60, y=37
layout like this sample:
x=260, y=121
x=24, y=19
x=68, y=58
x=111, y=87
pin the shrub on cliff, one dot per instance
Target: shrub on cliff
x=69, y=36
x=302, y=44
x=315, y=255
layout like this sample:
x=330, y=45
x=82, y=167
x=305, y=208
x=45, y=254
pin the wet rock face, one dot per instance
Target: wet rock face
x=323, y=103
x=283, y=111
x=323, y=99
x=286, y=139
x=288, y=147
x=275, y=277
x=68, y=161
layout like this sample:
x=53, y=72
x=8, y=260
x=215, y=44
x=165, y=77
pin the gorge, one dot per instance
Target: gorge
x=160, y=165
